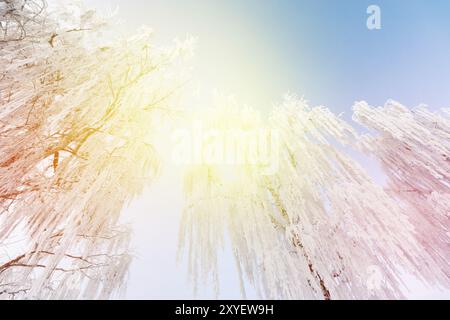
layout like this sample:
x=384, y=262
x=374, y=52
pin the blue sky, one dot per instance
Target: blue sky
x=259, y=50
x=327, y=53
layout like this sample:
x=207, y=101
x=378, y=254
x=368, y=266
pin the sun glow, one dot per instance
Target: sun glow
x=86, y=120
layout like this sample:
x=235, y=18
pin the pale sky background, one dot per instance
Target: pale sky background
x=259, y=50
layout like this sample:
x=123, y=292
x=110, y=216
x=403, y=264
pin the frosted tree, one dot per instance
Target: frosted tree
x=76, y=119
x=413, y=148
x=79, y=113
x=318, y=228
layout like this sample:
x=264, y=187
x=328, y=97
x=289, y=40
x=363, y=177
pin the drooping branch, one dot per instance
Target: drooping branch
x=320, y=227
x=76, y=145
